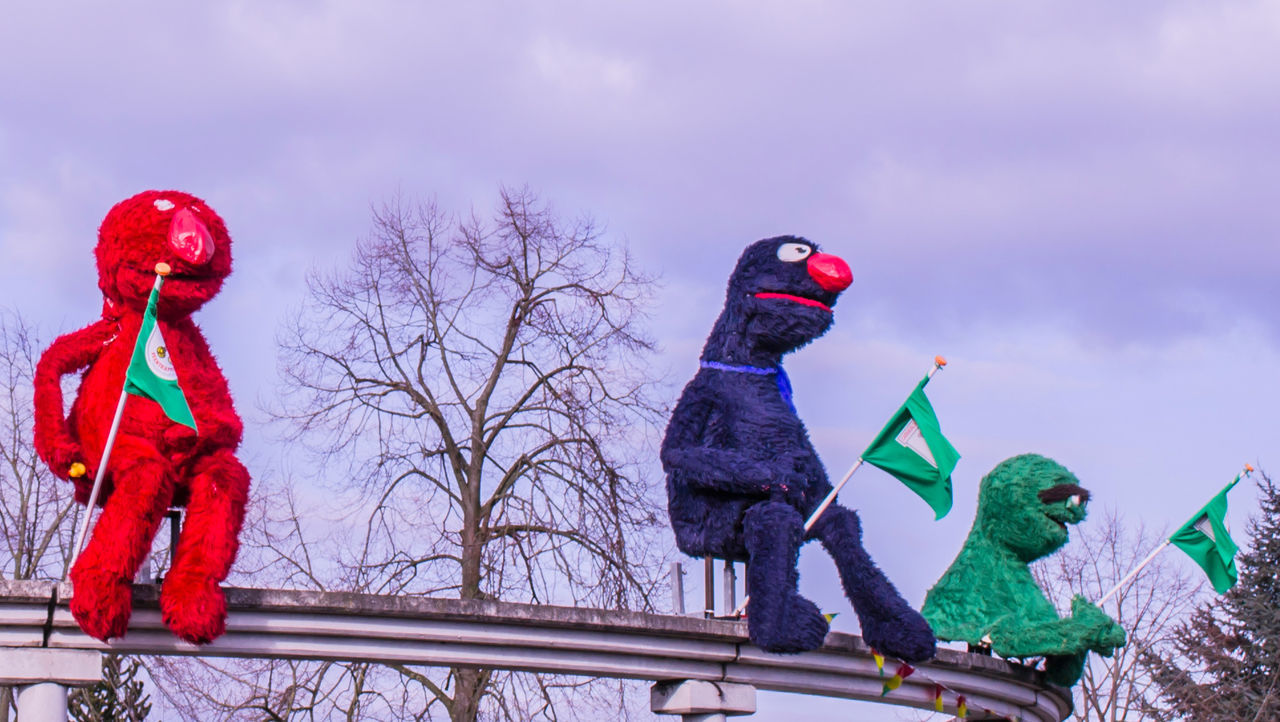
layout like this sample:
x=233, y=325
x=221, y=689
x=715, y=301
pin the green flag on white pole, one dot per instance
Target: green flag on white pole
x=151, y=373
x=1207, y=540
x=912, y=448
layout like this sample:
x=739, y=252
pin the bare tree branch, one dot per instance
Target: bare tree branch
x=476, y=396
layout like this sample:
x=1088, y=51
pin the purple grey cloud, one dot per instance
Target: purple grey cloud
x=1073, y=201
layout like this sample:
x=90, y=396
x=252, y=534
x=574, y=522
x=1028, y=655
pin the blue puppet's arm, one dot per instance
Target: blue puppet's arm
x=721, y=470
x=690, y=452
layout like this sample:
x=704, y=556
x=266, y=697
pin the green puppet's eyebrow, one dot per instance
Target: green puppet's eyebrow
x=1063, y=491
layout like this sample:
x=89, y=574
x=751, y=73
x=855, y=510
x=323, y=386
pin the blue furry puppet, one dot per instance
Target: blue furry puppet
x=742, y=476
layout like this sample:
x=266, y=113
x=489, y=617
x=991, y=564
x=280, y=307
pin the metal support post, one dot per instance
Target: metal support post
x=709, y=587
x=702, y=701
x=44, y=702
x=42, y=677
x=175, y=523
x=677, y=588
x=730, y=587
x=145, y=573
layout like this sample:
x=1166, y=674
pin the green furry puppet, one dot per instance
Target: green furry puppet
x=988, y=596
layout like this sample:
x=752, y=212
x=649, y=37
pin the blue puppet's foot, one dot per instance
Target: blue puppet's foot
x=787, y=624
x=888, y=623
x=778, y=618
x=905, y=635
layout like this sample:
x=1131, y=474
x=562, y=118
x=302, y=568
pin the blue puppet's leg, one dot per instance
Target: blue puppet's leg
x=888, y=623
x=778, y=618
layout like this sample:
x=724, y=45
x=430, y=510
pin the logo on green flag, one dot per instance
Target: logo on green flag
x=1207, y=540
x=912, y=448
x=151, y=373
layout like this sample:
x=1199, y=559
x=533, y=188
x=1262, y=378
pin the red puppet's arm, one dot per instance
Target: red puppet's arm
x=210, y=399
x=53, y=438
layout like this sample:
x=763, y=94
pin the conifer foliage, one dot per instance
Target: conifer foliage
x=1225, y=664
x=121, y=696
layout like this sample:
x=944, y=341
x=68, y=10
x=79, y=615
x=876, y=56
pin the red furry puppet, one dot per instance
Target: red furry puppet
x=155, y=462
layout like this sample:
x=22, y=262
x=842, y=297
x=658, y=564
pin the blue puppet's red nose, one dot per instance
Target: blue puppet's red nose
x=831, y=272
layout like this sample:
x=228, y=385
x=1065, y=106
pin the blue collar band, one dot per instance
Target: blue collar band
x=784, y=383
x=740, y=369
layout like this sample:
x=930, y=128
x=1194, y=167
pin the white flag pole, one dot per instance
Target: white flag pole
x=162, y=270
x=938, y=363
x=1248, y=468
x=1133, y=573
x=831, y=497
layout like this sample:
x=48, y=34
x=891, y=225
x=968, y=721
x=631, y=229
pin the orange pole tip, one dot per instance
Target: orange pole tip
x=939, y=360
x=163, y=269
x=77, y=470
x=1248, y=467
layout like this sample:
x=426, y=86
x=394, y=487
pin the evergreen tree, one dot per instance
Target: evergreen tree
x=119, y=697
x=1226, y=661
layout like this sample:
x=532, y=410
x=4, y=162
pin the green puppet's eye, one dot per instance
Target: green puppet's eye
x=792, y=252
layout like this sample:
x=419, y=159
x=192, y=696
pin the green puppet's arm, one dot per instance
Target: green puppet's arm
x=1087, y=628
x=1064, y=643
x=1065, y=669
x=1111, y=635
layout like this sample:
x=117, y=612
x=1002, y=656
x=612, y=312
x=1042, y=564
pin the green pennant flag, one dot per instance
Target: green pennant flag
x=151, y=373
x=1207, y=540
x=911, y=447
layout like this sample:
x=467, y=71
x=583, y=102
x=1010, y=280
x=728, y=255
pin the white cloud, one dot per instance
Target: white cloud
x=582, y=71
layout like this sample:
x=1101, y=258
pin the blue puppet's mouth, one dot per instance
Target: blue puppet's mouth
x=796, y=299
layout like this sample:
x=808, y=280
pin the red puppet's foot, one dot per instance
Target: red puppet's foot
x=101, y=601
x=103, y=574
x=193, y=607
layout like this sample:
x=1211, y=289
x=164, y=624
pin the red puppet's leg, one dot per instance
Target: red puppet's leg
x=103, y=574
x=192, y=602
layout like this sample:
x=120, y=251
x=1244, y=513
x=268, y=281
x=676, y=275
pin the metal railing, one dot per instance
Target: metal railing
x=305, y=625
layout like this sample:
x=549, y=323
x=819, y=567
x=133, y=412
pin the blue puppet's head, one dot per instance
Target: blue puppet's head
x=780, y=297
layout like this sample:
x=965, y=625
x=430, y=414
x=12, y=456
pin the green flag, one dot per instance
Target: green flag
x=1207, y=540
x=151, y=373
x=911, y=447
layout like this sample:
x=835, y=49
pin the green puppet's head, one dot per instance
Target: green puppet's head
x=1026, y=503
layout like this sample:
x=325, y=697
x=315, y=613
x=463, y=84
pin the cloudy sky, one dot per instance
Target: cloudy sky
x=1068, y=200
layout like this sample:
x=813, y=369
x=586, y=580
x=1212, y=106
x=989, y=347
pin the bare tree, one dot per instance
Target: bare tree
x=476, y=393
x=36, y=510
x=487, y=375
x=1149, y=607
x=38, y=517
x=34, y=505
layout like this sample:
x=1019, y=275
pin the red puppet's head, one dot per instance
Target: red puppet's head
x=170, y=226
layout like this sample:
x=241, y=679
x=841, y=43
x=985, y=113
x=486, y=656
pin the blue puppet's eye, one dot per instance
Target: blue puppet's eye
x=792, y=252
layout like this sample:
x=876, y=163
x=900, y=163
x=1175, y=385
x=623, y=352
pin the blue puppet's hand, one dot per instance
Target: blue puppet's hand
x=789, y=488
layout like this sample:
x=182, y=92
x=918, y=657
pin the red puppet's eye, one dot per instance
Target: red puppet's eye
x=190, y=238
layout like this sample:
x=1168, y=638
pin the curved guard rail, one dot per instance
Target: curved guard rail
x=294, y=624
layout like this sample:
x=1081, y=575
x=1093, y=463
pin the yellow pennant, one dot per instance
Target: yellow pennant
x=894, y=682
